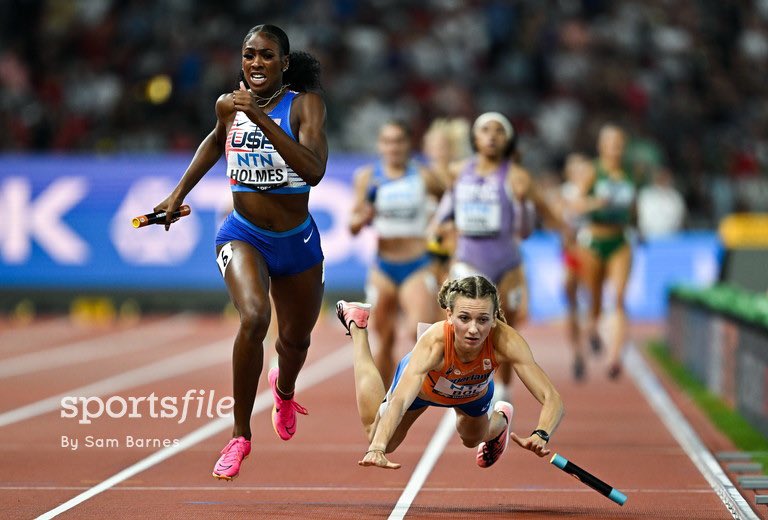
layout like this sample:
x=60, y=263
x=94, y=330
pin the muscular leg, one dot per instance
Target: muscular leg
x=369, y=387
x=574, y=330
x=370, y=390
x=418, y=299
x=619, y=266
x=594, y=274
x=248, y=284
x=402, y=429
x=571, y=286
x=271, y=338
x=383, y=319
x=474, y=430
x=297, y=300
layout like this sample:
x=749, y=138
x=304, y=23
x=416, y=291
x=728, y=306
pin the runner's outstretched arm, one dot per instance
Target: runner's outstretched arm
x=427, y=355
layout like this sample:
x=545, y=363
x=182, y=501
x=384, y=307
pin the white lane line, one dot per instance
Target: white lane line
x=323, y=369
x=97, y=348
x=218, y=352
x=685, y=435
x=424, y=467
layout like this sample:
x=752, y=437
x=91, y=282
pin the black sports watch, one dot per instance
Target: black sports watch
x=541, y=433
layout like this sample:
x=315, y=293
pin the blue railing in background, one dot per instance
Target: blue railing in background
x=67, y=226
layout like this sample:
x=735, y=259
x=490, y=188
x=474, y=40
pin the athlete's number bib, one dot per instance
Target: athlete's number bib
x=618, y=193
x=254, y=160
x=478, y=209
x=446, y=388
x=400, y=200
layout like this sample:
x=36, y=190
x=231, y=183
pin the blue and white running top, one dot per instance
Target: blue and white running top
x=400, y=204
x=253, y=164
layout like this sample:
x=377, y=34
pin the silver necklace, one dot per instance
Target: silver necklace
x=262, y=102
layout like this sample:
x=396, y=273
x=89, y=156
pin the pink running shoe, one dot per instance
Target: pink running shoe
x=284, y=412
x=353, y=312
x=489, y=452
x=228, y=465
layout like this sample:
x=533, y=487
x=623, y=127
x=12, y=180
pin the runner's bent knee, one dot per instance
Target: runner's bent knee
x=293, y=343
x=254, y=319
x=470, y=433
x=470, y=441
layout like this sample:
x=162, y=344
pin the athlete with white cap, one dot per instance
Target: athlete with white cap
x=493, y=205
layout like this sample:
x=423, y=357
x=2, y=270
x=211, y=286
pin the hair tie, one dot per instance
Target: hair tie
x=499, y=118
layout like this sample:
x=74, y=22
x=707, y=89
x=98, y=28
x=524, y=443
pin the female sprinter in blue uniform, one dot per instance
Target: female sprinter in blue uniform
x=272, y=130
x=393, y=195
x=451, y=365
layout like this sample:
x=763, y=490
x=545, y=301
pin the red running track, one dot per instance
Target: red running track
x=609, y=429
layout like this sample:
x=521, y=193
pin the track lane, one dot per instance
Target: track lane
x=609, y=429
x=315, y=475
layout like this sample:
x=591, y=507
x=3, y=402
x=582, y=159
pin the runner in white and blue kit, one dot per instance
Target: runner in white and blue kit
x=393, y=196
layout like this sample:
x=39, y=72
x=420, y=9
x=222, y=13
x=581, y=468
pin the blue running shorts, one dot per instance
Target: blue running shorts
x=286, y=253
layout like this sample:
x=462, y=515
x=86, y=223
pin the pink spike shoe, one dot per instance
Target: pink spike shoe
x=491, y=451
x=353, y=312
x=284, y=411
x=233, y=454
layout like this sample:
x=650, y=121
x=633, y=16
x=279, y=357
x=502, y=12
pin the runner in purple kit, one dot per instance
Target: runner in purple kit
x=493, y=204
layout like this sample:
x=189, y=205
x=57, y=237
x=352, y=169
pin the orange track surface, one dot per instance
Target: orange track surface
x=609, y=429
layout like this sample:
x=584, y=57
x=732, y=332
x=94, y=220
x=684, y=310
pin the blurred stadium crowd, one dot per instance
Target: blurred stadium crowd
x=688, y=79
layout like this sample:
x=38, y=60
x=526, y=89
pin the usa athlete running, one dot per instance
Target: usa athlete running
x=272, y=131
x=451, y=365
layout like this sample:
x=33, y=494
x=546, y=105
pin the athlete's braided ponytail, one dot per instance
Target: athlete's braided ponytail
x=475, y=287
x=447, y=294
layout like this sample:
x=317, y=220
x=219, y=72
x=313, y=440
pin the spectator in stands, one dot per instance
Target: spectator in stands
x=691, y=76
x=660, y=207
